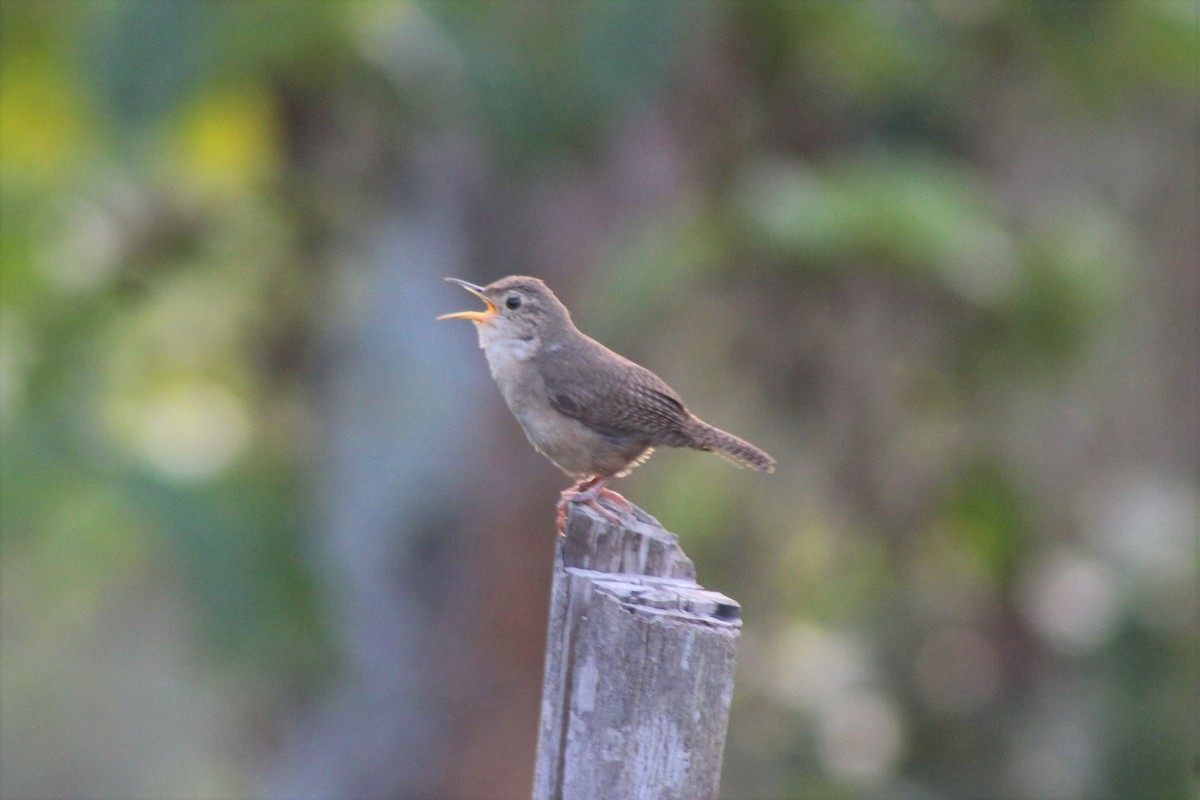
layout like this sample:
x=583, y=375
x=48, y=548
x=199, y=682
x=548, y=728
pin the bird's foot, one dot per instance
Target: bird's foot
x=587, y=492
x=626, y=507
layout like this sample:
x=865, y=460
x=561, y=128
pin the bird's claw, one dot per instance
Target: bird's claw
x=588, y=492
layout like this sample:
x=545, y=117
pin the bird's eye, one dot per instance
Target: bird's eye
x=513, y=302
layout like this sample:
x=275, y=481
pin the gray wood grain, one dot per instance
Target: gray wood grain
x=639, y=668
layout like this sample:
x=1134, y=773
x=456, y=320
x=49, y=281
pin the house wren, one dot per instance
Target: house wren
x=593, y=413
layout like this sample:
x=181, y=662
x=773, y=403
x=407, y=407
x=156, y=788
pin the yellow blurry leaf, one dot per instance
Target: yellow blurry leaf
x=41, y=120
x=229, y=138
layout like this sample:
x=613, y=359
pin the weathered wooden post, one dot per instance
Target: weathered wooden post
x=639, y=668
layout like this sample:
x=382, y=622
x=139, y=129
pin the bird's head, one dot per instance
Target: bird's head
x=518, y=307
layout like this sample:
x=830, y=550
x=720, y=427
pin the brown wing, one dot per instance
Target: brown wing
x=612, y=395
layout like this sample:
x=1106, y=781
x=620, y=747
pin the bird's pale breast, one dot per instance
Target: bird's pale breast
x=574, y=448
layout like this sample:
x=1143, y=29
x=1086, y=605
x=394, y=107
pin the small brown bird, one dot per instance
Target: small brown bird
x=595, y=414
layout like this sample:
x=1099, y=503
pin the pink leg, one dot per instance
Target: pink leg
x=560, y=510
x=587, y=492
x=599, y=488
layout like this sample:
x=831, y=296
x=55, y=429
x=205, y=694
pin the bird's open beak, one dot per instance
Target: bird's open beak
x=474, y=316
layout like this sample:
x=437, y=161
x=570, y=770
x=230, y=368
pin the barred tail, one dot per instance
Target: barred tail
x=739, y=451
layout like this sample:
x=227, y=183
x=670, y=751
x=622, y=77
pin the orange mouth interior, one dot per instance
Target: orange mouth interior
x=474, y=316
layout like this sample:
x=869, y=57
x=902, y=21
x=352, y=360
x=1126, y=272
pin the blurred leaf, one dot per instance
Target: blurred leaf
x=148, y=56
x=554, y=76
x=919, y=214
x=654, y=270
x=236, y=544
x=872, y=52
x=42, y=120
x=986, y=511
x=229, y=138
x=1105, y=50
x=1070, y=279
